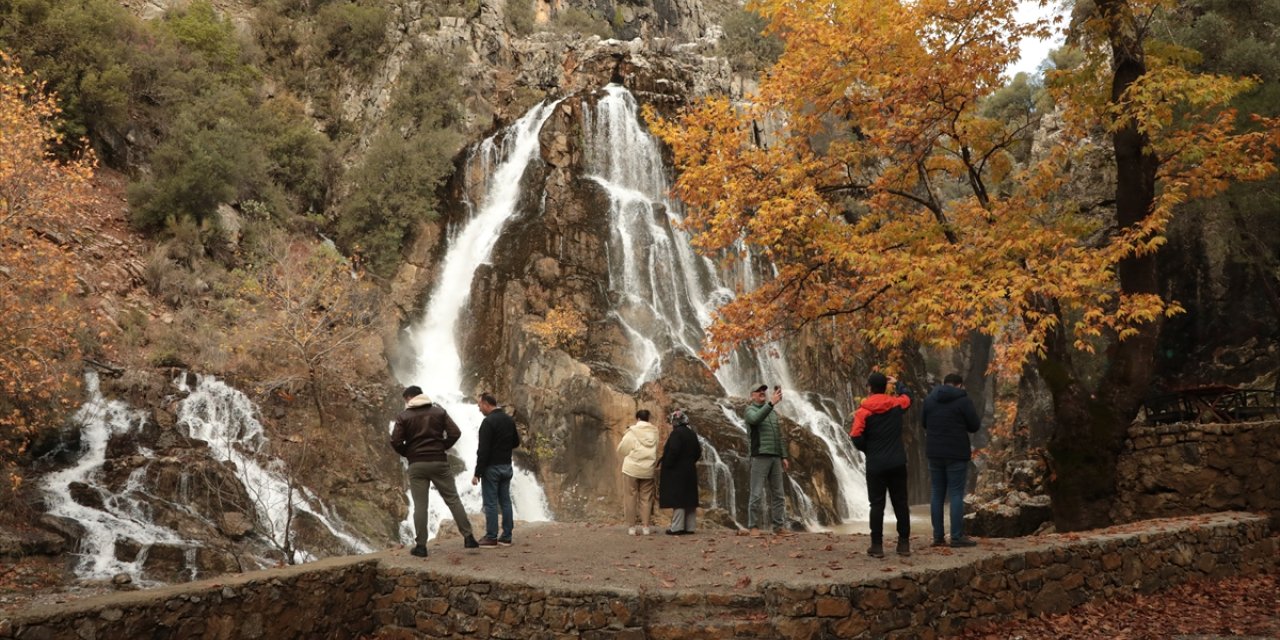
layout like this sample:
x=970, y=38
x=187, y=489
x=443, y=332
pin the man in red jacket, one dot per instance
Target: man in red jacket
x=423, y=432
x=877, y=432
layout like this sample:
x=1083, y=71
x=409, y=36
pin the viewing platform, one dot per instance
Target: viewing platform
x=581, y=580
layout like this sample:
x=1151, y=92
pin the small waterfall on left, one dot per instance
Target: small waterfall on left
x=121, y=529
x=122, y=516
x=225, y=418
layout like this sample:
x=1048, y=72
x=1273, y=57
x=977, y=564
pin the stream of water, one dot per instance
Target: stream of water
x=438, y=365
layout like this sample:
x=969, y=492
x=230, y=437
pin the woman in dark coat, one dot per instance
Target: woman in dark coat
x=678, y=486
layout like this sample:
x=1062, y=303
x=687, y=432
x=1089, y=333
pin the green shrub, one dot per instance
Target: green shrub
x=745, y=44
x=85, y=51
x=395, y=187
x=351, y=33
x=206, y=160
x=519, y=17
x=575, y=20
x=393, y=190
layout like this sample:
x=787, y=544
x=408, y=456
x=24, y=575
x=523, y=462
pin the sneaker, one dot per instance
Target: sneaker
x=504, y=542
x=673, y=533
x=487, y=543
x=419, y=551
x=939, y=542
x=645, y=531
x=469, y=542
x=876, y=550
x=631, y=531
x=904, y=548
x=964, y=542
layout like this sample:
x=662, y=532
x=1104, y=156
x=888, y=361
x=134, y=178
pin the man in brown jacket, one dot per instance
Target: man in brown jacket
x=423, y=432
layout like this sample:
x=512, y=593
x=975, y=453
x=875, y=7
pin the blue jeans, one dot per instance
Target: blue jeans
x=948, y=480
x=495, y=486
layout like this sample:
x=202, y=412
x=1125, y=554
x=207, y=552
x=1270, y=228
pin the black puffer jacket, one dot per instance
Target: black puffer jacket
x=949, y=418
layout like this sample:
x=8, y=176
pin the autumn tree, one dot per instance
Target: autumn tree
x=891, y=201
x=42, y=201
x=317, y=312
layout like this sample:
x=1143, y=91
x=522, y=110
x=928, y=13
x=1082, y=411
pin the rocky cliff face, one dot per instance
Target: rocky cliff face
x=576, y=399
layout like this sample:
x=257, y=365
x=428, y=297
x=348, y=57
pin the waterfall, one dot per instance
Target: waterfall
x=225, y=418
x=668, y=293
x=123, y=516
x=438, y=367
x=719, y=479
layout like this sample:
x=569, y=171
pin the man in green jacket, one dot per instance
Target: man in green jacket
x=768, y=459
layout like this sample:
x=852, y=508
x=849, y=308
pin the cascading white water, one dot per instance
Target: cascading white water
x=668, y=293
x=213, y=412
x=438, y=365
x=719, y=479
x=222, y=416
x=123, y=517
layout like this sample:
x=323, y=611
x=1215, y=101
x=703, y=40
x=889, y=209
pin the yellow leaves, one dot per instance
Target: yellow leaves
x=893, y=207
x=564, y=326
x=41, y=201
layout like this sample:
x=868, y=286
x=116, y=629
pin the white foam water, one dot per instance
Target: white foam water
x=668, y=293
x=438, y=367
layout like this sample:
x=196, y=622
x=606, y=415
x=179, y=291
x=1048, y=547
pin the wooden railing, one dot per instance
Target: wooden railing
x=1212, y=404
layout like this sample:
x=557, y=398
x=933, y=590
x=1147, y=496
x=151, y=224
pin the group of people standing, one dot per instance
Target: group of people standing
x=675, y=473
x=424, y=431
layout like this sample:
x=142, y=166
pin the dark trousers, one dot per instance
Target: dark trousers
x=894, y=481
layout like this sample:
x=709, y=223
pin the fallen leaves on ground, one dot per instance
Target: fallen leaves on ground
x=1239, y=606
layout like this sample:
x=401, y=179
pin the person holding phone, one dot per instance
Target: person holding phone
x=768, y=459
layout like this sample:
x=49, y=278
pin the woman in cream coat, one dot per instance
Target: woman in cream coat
x=639, y=448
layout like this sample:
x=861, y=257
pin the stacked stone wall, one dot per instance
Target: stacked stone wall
x=1189, y=468
x=1057, y=574
x=326, y=599
x=1068, y=571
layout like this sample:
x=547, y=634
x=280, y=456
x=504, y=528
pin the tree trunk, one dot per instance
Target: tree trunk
x=1091, y=427
x=315, y=396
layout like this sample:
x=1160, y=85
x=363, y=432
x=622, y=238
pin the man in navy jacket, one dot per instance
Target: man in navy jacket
x=949, y=418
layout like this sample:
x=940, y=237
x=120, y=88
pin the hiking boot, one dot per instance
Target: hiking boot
x=469, y=542
x=487, y=543
x=876, y=550
x=939, y=542
x=904, y=548
x=419, y=551
x=964, y=542
x=631, y=531
x=504, y=542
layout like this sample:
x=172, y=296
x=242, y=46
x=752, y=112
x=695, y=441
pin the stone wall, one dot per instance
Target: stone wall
x=325, y=599
x=1188, y=468
x=386, y=598
x=1050, y=577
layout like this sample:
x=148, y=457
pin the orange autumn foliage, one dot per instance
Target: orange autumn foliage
x=894, y=209
x=41, y=202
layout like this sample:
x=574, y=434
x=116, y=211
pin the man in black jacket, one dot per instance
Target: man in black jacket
x=877, y=432
x=498, y=436
x=949, y=418
x=422, y=434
